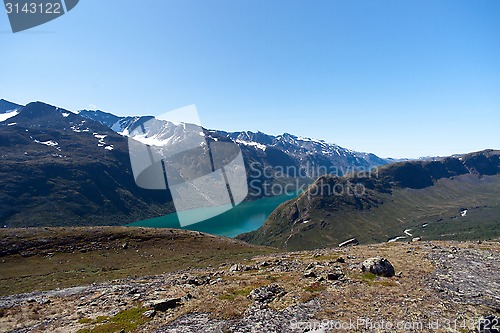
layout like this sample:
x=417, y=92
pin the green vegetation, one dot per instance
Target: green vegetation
x=126, y=320
x=368, y=276
x=48, y=258
x=232, y=294
x=426, y=197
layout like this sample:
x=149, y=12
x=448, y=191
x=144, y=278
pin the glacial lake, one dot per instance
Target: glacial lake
x=245, y=217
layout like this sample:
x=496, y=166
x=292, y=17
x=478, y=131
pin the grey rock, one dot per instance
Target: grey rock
x=466, y=275
x=335, y=275
x=241, y=268
x=186, y=298
x=235, y=268
x=378, y=266
x=149, y=313
x=258, y=318
x=164, y=304
x=267, y=293
x=310, y=274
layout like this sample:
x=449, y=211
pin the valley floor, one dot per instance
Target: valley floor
x=439, y=287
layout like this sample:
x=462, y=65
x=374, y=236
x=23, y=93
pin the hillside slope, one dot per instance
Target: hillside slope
x=452, y=198
x=211, y=284
x=59, y=168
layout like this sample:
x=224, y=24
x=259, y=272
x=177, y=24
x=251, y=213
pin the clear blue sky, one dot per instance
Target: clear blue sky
x=398, y=78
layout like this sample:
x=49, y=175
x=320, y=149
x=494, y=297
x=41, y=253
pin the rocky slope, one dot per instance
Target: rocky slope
x=450, y=198
x=437, y=287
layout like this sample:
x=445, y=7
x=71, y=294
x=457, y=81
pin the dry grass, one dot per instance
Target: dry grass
x=407, y=297
x=78, y=256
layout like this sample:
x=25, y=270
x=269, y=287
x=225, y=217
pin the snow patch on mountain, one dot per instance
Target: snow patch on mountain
x=309, y=153
x=7, y=115
x=251, y=143
x=80, y=127
x=49, y=143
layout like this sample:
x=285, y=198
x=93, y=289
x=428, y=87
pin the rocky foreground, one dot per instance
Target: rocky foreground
x=419, y=287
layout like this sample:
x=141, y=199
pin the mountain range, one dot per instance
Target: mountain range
x=452, y=198
x=72, y=168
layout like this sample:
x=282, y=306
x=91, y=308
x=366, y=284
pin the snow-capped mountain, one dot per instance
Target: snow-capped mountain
x=8, y=110
x=316, y=157
x=64, y=168
x=308, y=157
x=287, y=160
x=104, y=118
x=7, y=107
x=59, y=168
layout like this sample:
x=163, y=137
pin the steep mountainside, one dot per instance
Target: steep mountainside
x=59, y=168
x=451, y=198
x=65, y=168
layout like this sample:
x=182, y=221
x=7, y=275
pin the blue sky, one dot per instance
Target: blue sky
x=397, y=78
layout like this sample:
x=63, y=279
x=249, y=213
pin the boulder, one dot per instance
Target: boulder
x=165, y=304
x=378, y=266
x=235, y=268
x=267, y=293
x=241, y=268
x=337, y=274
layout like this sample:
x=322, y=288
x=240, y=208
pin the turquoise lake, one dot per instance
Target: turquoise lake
x=245, y=217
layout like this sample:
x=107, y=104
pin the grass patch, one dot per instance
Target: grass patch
x=387, y=283
x=368, y=277
x=126, y=320
x=230, y=296
x=48, y=258
x=85, y=321
x=329, y=257
x=314, y=287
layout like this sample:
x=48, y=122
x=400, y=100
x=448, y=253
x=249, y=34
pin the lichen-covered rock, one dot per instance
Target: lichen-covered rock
x=267, y=294
x=378, y=266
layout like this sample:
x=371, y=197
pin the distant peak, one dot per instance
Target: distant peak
x=6, y=106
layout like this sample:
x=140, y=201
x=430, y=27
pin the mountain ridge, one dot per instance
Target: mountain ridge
x=76, y=170
x=427, y=196
x=59, y=168
x=6, y=106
